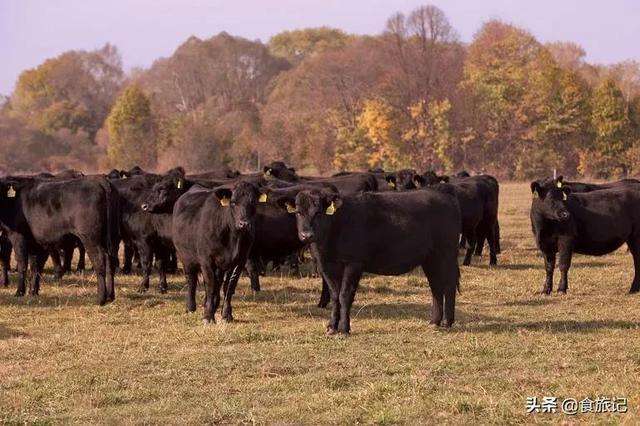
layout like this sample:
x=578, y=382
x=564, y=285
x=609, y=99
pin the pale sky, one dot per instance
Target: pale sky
x=144, y=30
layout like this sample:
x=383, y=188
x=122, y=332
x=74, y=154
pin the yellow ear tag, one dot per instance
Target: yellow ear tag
x=331, y=209
x=224, y=202
x=391, y=184
x=564, y=196
x=291, y=208
x=535, y=194
x=179, y=185
x=262, y=198
x=11, y=193
x=559, y=184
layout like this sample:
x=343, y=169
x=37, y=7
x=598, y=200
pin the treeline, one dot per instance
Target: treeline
x=323, y=100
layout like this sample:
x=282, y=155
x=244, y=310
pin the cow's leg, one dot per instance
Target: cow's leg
x=212, y=283
x=163, y=264
x=443, y=275
x=34, y=282
x=350, y=280
x=493, y=245
x=437, y=294
x=481, y=237
x=229, y=291
x=496, y=233
x=471, y=244
x=191, y=273
x=98, y=259
x=549, y=267
x=325, y=295
x=332, y=273
x=5, y=260
x=253, y=269
x=81, y=258
x=146, y=257
x=128, y=257
x=111, y=264
x=634, y=247
x=20, y=250
x=67, y=256
x=59, y=267
x=564, y=263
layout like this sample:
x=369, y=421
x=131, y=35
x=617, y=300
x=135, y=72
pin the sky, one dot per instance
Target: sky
x=144, y=30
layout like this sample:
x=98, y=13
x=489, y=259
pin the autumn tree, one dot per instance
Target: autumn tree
x=73, y=91
x=131, y=127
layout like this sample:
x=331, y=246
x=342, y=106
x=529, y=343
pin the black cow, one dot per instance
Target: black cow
x=594, y=223
x=213, y=230
x=586, y=187
x=38, y=215
x=402, y=179
x=382, y=233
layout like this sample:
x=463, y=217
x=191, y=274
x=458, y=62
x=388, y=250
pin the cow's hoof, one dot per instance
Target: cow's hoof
x=331, y=331
x=142, y=290
x=322, y=304
x=544, y=292
x=447, y=324
x=561, y=291
x=163, y=290
x=433, y=324
x=208, y=321
x=227, y=318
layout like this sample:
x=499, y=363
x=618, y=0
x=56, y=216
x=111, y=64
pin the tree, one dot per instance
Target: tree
x=294, y=46
x=73, y=91
x=131, y=126
x=613, y=132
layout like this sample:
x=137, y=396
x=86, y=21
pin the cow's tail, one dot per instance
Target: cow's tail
x=113, y=219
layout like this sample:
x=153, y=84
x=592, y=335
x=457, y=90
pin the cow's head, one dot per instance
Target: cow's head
x=164, y=193
x=550, y=199
x=429, y=178
x=401, y=180
x=240, y=200
x=279, y=170
x=314, y=208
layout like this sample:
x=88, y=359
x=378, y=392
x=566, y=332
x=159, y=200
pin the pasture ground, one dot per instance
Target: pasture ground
x=142, y=359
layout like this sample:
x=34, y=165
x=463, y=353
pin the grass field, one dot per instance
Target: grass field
x=142, y=359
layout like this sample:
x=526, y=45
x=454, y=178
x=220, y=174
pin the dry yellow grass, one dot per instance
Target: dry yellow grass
x=143, y=360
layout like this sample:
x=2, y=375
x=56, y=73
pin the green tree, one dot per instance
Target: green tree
x=613, y=131
x=131, y=127
x=296, y=45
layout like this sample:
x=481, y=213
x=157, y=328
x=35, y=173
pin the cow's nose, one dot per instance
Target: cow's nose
x=564, y=215
x=145, y=207
x=243, y=224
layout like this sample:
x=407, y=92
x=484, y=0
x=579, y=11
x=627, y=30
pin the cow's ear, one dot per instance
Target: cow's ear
x=287, y=203
x=224, y=196
x=334, y=202
x=391, y=180
x=11, y=192
x=264, y=195
x=419, y=181
x=535, y=189
x=177, y=171
x=443, y=178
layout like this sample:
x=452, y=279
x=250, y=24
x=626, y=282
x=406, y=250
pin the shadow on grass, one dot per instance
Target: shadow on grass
x=568, y=326
x=540, y=265
x=542, y=301
x=9, y=333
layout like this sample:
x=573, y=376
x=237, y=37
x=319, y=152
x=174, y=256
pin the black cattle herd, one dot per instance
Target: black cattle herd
x=221, y=223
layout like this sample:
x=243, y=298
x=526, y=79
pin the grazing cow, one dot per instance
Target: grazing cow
x=38, y=215
x=213, y=230
x=594, y=223
x=386, y=233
